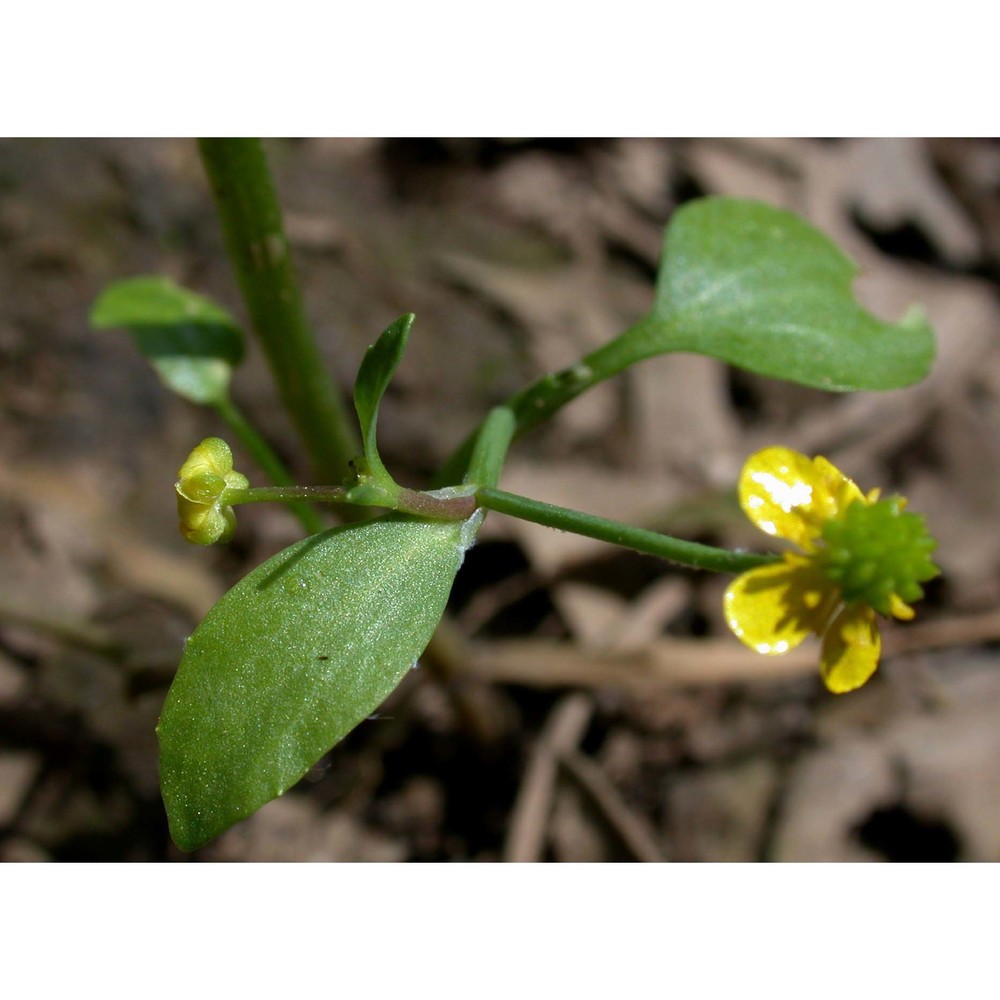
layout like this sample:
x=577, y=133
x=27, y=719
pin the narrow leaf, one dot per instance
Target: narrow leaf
x=191, y=342
x=376, y=371
x=761, y=289
x=293, y=658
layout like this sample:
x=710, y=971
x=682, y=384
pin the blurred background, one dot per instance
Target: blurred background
x=592, y=705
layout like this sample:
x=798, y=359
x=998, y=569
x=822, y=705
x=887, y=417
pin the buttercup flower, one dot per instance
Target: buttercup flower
x=205, y=481
x=858, y=555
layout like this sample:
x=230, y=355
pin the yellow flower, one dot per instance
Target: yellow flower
x=206, y=481
x=858, y=555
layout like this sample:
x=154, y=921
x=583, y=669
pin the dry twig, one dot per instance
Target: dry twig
x=633, y=830
x=680, y=662
x=530, y=816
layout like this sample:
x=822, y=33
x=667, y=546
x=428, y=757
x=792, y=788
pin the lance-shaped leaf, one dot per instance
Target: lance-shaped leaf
x=293, y=658
x=761, y=289
x=376, y=371
x=191, y=342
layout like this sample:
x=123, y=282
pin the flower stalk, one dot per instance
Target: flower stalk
x=264, y=456
x=676, y=550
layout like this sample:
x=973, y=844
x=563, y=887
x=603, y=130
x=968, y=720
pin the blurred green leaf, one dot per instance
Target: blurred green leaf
x=293, y=658
x=376, y=371
x=761, y=289
x=191, y=342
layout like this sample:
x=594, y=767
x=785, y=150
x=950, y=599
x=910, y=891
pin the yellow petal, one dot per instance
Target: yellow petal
x=205, y=524
x=792, y=496
x=212, y=456
x=773, y=608
x=202, y=487
x=900, y=609
x=851, y=649
x=839, y=491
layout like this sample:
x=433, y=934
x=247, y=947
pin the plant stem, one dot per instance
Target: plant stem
x=490, y=449
x=446, y=505
x=287, y=494
x=271, y=465
x=538, y=401
x=651, y=542
x=255, y=239
x=455, y=505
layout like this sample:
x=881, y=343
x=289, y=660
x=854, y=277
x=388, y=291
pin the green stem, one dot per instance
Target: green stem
x=490, y=449
x=271, y=465
x=651, y=542
x=458, y=504
x=543, y=398
x=287, y=494
x=251, y=221
x=446, y=505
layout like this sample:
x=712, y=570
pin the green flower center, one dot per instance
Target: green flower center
x=877, y=550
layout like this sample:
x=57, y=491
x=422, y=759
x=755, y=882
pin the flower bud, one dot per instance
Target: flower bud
x=206, y=480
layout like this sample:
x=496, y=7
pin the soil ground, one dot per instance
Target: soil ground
x=595, y=707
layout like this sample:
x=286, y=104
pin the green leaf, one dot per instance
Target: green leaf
x=761, y=289
x=376, y=371
x=754, y=286
x=191, y=342
x=293, y=658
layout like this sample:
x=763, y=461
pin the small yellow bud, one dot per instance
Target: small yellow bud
x=206, y=480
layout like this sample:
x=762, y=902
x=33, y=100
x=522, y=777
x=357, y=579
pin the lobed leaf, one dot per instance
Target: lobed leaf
x=191, y=342
x=293, y=658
